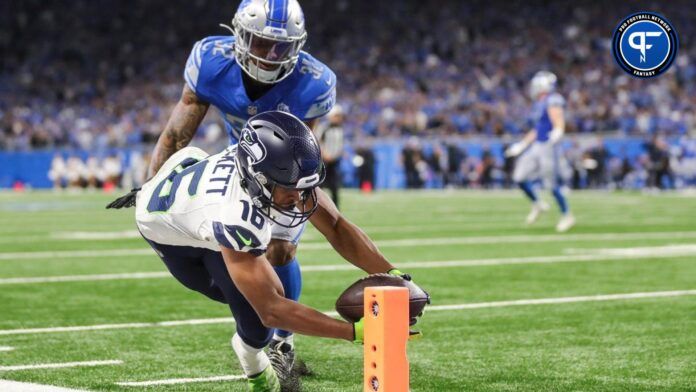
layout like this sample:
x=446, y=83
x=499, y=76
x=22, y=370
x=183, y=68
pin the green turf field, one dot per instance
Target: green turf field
x=571, y=341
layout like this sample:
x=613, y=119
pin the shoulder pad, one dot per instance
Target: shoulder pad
x=242, y=228
x=239, y=238
x=555, y=99
x=208, y=58
x=317, y=88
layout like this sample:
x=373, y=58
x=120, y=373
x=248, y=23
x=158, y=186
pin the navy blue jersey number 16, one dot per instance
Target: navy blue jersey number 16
x=161, y=202
x=256, y=217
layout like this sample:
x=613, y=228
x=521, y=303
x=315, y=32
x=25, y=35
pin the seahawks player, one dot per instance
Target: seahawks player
x=541, y=155
x=262, y=67
x=211, y=220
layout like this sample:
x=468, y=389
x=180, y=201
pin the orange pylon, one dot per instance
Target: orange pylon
x=385, y=336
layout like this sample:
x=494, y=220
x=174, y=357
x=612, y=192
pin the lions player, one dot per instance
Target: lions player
x=211, y=220
x=261, y=68
x=541, y=155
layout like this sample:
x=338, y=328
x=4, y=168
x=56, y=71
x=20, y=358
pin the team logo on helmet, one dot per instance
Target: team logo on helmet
x=645, y=44
x=252, y=146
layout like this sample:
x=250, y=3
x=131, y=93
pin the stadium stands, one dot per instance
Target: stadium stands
x=96, y=74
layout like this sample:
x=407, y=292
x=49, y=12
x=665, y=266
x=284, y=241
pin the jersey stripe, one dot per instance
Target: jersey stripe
x=219, y=230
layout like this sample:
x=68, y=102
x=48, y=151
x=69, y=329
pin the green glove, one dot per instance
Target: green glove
x=358, y=332
x=400, y=274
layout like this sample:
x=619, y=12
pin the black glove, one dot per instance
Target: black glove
x=125, y=201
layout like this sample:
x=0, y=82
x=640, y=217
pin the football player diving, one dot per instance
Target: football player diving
x=260, y=67
x=541, y=156
x=211, y=220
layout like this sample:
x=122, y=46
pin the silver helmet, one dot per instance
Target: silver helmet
x=269, y=36
x=543, y=82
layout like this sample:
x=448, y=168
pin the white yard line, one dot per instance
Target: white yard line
x=588, y=255
x=565, y=300
x=434, y=308
x=16, y=386
x=173, y=381
x=511, y=239
x=664, y=251
x=6, y=348
x=402, y=242
x=59, y=365
x=80, y=328
x=85, y=278
x=96, y=235
x=75, y=254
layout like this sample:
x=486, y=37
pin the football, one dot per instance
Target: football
x=350, y=303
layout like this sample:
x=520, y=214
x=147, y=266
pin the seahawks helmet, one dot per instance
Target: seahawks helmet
x=269, y=36
x=543, y=82
x=276, y=149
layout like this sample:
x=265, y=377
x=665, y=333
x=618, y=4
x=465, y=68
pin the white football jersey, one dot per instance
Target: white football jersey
x=197, y=200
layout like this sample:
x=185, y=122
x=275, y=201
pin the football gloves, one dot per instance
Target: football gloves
x=358, y=328
x=125, y=201
x=555, y=135
x=400, y=274
x=515, y=149
x=404, y=276
x=359, y=333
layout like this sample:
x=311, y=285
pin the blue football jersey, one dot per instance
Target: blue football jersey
x=540, y=115
x=214, y=75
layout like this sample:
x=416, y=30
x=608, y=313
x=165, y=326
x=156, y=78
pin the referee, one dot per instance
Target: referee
x=330, y=137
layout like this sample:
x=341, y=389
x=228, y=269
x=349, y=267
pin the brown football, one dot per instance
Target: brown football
x=350, y=303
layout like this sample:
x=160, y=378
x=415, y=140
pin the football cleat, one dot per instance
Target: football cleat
x=565, y=223
x=266, y=381
x=282, y=357
x=537, y=209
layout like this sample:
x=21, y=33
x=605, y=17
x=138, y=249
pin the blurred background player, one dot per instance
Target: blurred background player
x=261, y=68
x=330, y=137
x=540, y=155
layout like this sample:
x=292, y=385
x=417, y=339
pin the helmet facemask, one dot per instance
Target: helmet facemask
x=264, y=56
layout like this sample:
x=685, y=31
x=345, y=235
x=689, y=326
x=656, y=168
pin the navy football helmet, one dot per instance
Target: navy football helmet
x=277, y=149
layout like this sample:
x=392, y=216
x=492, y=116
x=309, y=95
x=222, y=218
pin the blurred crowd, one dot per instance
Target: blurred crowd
x=94, y=74
x=96, y=171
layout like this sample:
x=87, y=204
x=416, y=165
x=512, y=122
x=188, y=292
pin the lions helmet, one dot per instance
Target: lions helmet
x=269, y=36
x=543, y=82
x=276, y=149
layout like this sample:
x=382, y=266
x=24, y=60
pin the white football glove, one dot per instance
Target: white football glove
x=515, y=149
x=555, y=135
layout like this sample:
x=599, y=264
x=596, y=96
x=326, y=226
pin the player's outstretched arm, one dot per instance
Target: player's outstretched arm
x=557, y=118
x=182, y=125
x=347, y=238
x=258, y=282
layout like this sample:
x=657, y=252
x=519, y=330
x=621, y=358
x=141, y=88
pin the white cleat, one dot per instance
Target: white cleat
x=565, y=223
x=537, y=209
